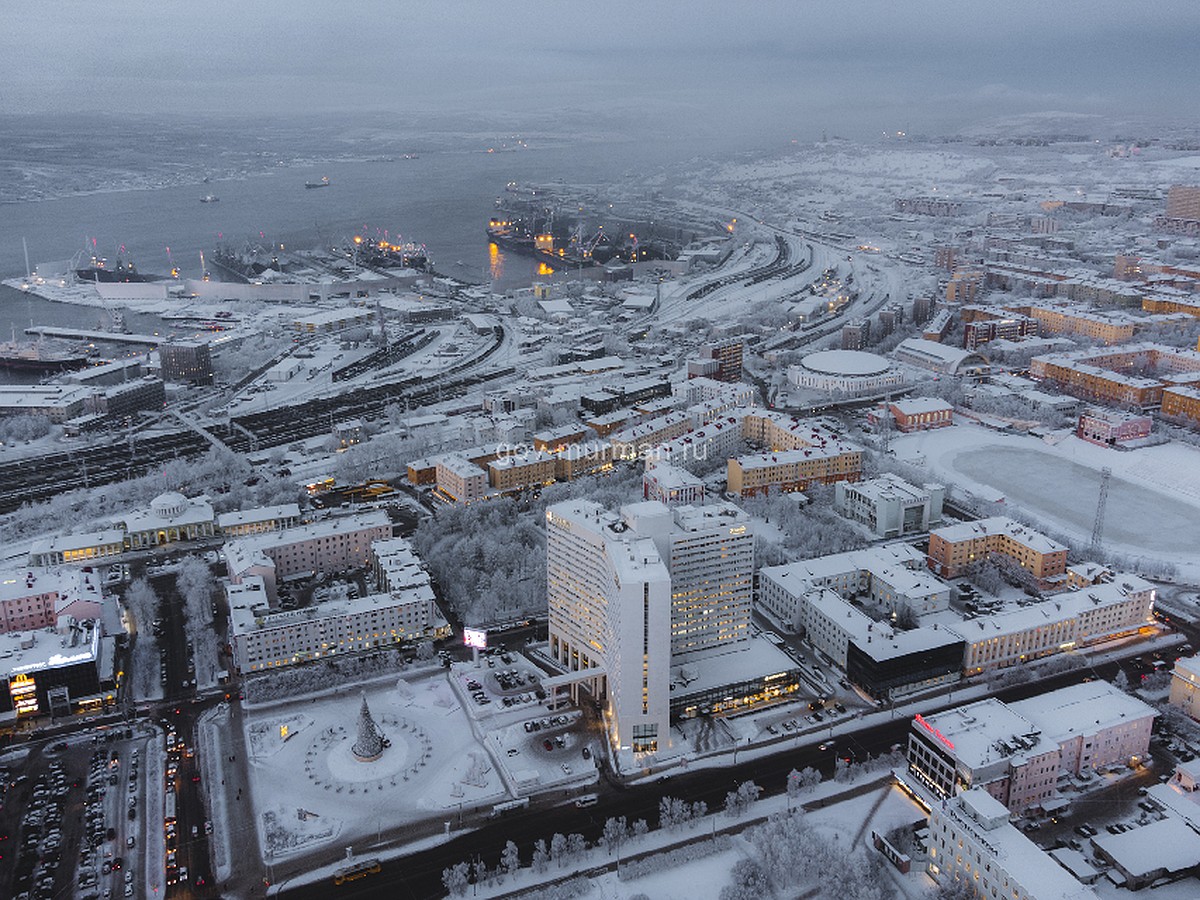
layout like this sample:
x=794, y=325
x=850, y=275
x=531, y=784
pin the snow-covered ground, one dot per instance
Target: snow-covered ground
x=1153, y=507
x=433, y=764
x=448, y=755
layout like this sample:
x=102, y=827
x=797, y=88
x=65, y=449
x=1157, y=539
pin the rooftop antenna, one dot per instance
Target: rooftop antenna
x=1098, y=525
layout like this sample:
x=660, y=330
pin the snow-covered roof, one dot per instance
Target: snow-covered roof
x=1188, y=667
x=1085, y=708
x=845, y=362
x=987, y=732
x=911, y=406
x=965, y=531
x=1020, y=857
x=753, y=660
x=189, y=512
x=1168, y=844
x=31, y=651
x=64, y=543
x=461, y=467
x=1055, y=609
x=258, y=514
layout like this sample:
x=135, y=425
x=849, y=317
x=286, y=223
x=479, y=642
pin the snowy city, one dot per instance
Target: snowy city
x=760, y=465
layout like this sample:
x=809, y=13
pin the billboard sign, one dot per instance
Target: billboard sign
x=474, y=637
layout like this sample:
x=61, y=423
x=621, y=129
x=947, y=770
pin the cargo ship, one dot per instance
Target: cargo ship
x=100, y=270
x=324, y=182
x=38, y=356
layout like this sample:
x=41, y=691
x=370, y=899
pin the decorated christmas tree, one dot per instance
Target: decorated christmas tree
x=369, y=745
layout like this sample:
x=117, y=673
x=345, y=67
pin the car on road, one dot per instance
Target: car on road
x=548, y=744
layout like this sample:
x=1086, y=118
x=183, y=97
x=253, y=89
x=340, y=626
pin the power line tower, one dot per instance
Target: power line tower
x=1098, y=525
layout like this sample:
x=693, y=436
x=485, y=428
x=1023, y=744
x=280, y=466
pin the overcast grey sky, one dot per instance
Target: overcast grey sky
x=854, y=68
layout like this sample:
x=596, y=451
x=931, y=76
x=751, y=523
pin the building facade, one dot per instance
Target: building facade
x=1065, y=622
x=1016, y=752
x=889, y=506
x=954, y=548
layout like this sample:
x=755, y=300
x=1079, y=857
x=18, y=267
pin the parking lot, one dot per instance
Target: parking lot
x=71, y=821
x=537, y=746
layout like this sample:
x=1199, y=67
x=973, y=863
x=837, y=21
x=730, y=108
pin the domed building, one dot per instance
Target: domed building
x=172, y=517
x=844, y=374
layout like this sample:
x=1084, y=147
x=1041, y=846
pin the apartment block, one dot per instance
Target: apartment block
x=1079, y=618
x=533, y=468
x=953, y=548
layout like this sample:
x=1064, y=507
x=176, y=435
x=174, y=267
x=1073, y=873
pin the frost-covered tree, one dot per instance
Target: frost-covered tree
x=614, y=832
x=748, y=882
x=576, y=846
x=510, y=858
x=541, y=857
x=456, y=879
x=639, y=828
x=740, y=800
x=558, y=849
x=842, y=770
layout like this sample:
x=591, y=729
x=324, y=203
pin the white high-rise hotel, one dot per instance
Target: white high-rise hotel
x=634, y=593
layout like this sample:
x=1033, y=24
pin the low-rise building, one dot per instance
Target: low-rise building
x=328, y=545
x=671, y=485
x=460, y=480
x=889, y=506
x=891, y=575
x=67, y=667
x=93, y=546
x=534, y=468
x=263, y=638
x=1112, y=428
x=31, y=599
x=941, y=358
x=578, y=460
x=697, y=449
x=1164, y=850
x=1185, y=685
x=915, y=413
x=258, y=520
x=172, y=517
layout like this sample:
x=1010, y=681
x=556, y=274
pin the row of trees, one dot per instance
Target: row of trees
x=809, y=531
x=220, y=473
x=141, y=603
x=197, y=587
x=345, y=670
x=490, y=558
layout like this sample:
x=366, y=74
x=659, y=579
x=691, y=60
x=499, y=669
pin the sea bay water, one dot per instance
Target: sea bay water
x=441, y=199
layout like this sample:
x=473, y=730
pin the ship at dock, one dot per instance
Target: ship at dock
x=42, y=356
x=543, y=223
x=100, y=269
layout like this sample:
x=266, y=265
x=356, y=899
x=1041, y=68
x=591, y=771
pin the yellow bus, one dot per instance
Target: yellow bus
x=355, y=871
